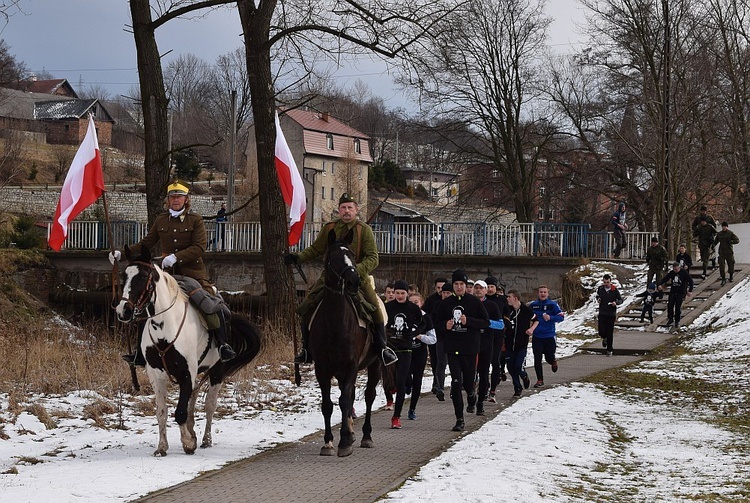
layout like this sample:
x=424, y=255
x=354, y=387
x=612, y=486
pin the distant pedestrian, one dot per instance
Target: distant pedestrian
x=497, y=295
x=619, y=226
x=650, y=296
x=221, y=223
x=520, y=325
x=657, y=259
x=486, y=346
x=403, y=319
x=705, y=233
x=683, y=257
x=425, y=337
x=544, y=341
x=703, y=215
x=609, y=298
x=726, y=240
x=440, y=363
x=682, y=286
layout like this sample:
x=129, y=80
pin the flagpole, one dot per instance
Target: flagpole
x=116, y=284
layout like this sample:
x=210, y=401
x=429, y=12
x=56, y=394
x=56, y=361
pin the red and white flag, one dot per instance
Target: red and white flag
x=83, y=185
x=292, y=188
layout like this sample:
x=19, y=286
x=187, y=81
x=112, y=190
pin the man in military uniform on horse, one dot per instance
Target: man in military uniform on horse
x=366, y=256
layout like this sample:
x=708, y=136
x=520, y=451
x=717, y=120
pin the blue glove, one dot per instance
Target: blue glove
x=497, y=324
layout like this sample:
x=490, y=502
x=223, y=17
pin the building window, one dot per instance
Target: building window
x=435, y=192
x=333, y=167
x=332, y=197
x=357, y=146
x=323, y=193
x=329, y=141
x=360, y=172
x=67, y=127
x=324, y=168
x=542, y=191
x=495, y=173
x=540, y=214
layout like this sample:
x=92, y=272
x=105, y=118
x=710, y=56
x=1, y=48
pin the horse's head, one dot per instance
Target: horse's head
x=138, y=291
x=341, y=269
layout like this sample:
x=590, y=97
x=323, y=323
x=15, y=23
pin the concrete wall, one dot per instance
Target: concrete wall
x=742, y=250
x=243, y=272
x=42, y=201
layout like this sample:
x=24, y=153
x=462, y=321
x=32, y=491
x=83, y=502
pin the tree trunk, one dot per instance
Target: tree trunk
x=154, y=103
x=281, y=299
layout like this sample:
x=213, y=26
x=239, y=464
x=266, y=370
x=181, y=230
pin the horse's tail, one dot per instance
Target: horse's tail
x=245, y=340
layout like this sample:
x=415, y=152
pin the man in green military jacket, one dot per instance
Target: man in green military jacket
x=656, y=258
x=726, y=240
x=366, y=255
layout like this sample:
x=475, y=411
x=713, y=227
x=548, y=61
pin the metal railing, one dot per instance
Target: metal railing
x=446, y=238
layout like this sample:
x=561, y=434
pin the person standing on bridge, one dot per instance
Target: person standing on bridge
x=366, y=256
x=619, y=226
x=726, y=240
x=609, y=298
x=181, y=236
x=705, y=233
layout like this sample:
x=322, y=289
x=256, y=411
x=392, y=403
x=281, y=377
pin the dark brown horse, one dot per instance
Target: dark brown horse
x=341, y=347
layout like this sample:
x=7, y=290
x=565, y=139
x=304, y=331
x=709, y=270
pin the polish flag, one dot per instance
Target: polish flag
x=83, y=185
x=292, y=188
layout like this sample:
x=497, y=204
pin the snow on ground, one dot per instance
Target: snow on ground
x=567, y=443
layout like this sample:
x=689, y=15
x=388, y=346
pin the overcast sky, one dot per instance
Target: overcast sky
x=86, y=42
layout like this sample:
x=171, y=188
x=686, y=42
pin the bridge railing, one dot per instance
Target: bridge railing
x=445, y=238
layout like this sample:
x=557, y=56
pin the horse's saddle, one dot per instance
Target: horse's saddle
x=199, y=296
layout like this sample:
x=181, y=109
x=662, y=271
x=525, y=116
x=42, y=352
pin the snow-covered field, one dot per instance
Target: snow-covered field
x=580, y=442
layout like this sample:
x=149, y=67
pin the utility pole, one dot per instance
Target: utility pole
x=666, y=97
x=232, y=154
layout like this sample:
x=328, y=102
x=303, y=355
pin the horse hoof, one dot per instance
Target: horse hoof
x=189, y=450
x=326, y=451
x=367, y=443
x=206, y=445
x=159, y=453
x=345, y=451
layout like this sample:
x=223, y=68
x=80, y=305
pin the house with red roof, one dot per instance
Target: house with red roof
x=332, y=157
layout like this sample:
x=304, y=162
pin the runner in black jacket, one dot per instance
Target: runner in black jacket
x=682, y=285
x=521, y=322
x=459, y=321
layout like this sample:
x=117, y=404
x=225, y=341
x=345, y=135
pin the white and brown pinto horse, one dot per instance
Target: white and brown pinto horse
x=177, y=346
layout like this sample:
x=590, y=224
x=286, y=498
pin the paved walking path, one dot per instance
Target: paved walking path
x=296, y=472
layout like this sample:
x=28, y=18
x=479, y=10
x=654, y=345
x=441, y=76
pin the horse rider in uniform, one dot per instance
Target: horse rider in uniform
x=182, y=238
x=366, y=255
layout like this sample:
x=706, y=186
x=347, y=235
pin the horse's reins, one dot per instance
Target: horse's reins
x=147, y=298
x=163, y=352
x=340, y=276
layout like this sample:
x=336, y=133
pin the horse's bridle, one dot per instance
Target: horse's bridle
x=147, y=297
x=341, y=277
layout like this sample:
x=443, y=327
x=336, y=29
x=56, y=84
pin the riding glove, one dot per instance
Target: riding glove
x=291, y=258
x=114, y=256
x=169, y=261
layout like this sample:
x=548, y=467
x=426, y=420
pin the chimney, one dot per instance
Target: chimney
x=324, y=116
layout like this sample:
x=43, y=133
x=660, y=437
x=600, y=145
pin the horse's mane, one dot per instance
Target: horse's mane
x=174, y=287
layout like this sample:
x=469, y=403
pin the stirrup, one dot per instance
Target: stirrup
x=226, y=353
x=135, y=359
x=388, y=356
x=303, y=357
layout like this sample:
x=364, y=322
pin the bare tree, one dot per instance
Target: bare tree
x=385, y=27
x=479, y=70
